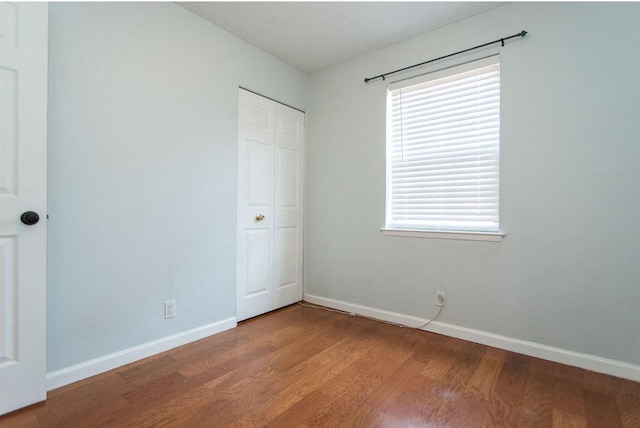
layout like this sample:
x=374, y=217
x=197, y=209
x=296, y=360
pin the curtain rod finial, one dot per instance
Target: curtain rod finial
x=523, y=33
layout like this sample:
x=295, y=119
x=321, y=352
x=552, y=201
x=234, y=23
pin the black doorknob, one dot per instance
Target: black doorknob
x=29, y=218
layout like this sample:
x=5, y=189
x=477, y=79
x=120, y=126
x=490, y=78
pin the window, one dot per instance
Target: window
x=443, y=145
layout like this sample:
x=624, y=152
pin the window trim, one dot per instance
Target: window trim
x=468, y=235
x=437, y=234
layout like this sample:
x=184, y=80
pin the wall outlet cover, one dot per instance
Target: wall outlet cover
x=169, y=309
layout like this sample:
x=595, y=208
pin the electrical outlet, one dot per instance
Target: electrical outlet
x=169, y=309
x=440, y=298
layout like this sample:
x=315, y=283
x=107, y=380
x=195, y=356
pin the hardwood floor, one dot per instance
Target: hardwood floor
x=303, y=366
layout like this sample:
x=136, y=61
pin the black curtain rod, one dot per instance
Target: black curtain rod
x=502, y=40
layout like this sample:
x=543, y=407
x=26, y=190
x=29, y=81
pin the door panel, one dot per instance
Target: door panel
x=8, y=132
x=8, y=296
x=288, y=127
x=23, y=172
x=287, y=178
x=286, y=257
x=8, y=24
x=258, y=261
x=259, y=167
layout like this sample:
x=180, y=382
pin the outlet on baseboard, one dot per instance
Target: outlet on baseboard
x=169, y=309
x=441, y=298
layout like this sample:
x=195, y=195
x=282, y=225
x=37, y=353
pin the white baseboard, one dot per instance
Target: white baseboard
x=559, y=355
x=99, y=365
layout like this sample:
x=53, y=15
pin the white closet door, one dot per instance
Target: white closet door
x=23, y=198
x=269, y=229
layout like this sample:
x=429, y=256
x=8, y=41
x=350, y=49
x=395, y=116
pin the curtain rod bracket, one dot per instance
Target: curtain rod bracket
x=502, y=40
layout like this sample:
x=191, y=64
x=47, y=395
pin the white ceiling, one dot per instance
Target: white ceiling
x=314, y=35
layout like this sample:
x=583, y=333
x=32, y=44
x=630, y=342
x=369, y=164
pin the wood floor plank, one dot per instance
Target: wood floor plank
x=629, y=407
x=437, y=365
x=297, y=385
x=503, y=410
x=99, y=412
x=508, y=395
x=543, y=371
x=600, y=383
x=371, y=372
x=537, y=405
x=385, y=404
x=147, y=367
x=601, y=410
x=87, y=388
x=183, y=411
x=429, y=405
x=68, y=401
x=25, y=418
x=303, y=366
x=513, y=376
x=568, y=397
x=297, y=412
x=315, y=344
x=563, y=419
x=485, y=377
x=465, y=360
x=158, y=390
x=238, y=366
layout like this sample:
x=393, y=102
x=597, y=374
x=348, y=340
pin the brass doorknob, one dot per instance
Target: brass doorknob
x=259, y=217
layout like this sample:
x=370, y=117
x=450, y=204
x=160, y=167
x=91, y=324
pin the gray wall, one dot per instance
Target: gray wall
x=567, y=273
x=142, y=176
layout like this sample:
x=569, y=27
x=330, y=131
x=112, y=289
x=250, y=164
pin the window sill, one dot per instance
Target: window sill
x=434, y=234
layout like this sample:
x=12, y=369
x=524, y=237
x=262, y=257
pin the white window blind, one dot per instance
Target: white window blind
x=443, y=144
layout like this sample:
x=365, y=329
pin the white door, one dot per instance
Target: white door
x=23, y=157
x=270, y=173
